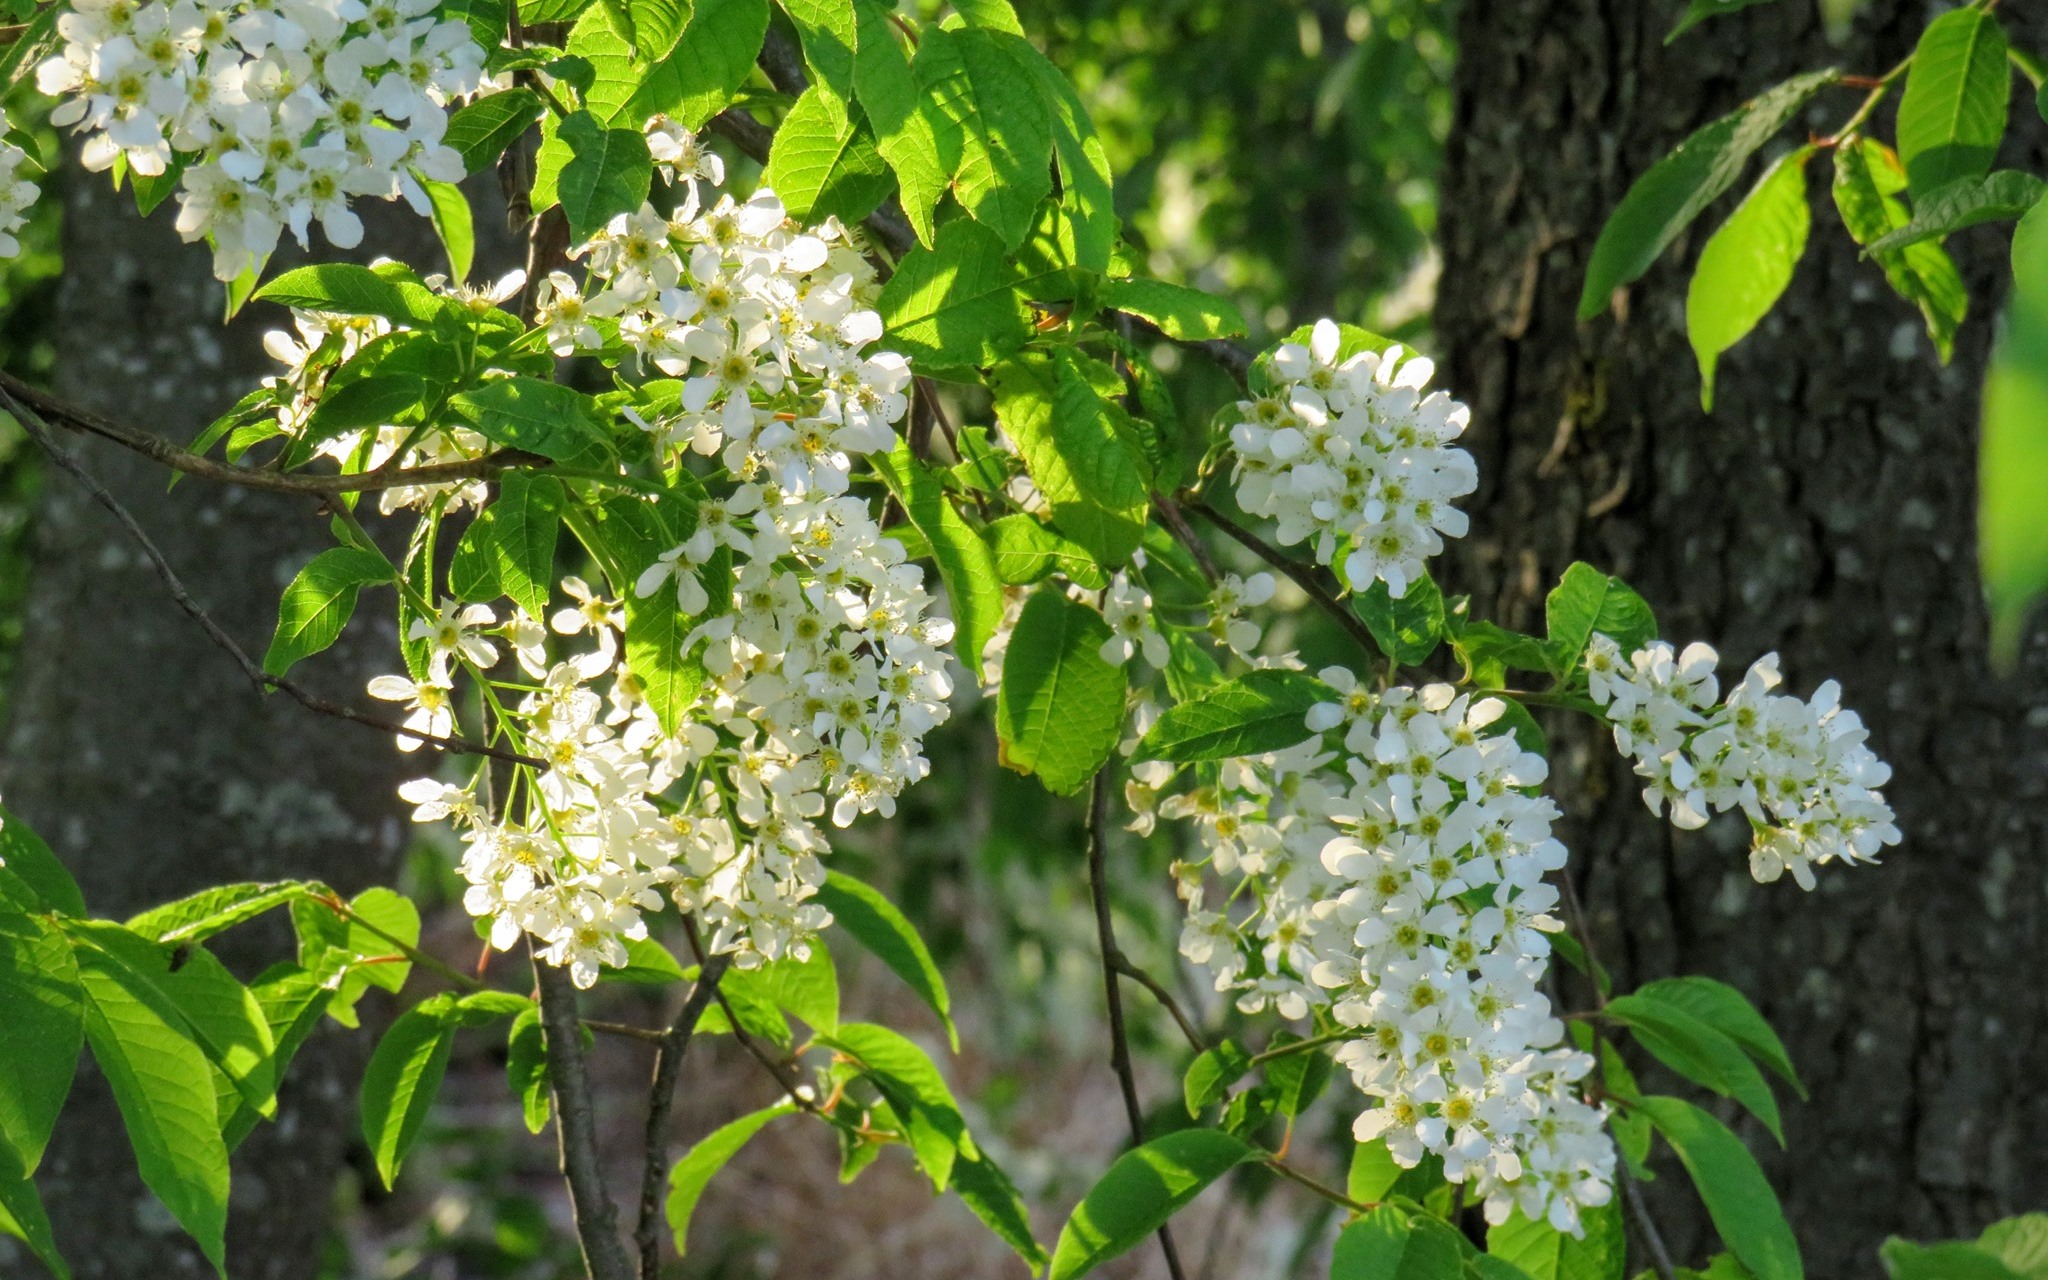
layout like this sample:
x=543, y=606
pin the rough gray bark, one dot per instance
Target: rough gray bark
x=1825, y=510
x=141, y=752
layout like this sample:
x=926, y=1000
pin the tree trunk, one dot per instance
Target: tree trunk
x=1826, y=510
x=143, y=755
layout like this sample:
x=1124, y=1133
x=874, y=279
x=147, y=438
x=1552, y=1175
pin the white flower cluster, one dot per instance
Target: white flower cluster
x=1801, y=771
x=1388, y=874
x=1355, y=459
x=820, y=652
x=281, y=111
x=17, y=193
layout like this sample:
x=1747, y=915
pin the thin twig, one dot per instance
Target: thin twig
x=37, y=429
x=626, y=1030
x=73, y=417
x=1660, y=1257
x=1119, y=1040
x=661, y=1096
x=1302, y=575
x=1177, y=525
x=1126, y=967
x=597, y=1218
x=1327, y=1192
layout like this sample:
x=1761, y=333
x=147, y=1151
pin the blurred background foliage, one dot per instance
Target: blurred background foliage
x=1283, y=152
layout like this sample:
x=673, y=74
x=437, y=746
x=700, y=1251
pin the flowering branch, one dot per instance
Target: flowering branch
x=1119, y=1040
x=1303, y=576
x=37, y=429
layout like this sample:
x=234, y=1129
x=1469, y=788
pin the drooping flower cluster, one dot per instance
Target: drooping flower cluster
x=812, y=639
x=1388, y=874
x=1355, y=459
x=279, y=111
x=17, y=193
x=1801, y=771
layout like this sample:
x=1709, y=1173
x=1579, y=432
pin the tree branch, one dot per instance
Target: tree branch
x=1124, y=965
x=1304, y=577
x=1646, y=1227
x=37, y=430
x=661, y=1096
x=14, y=392
x=1119, y=1040
x=597, y=1218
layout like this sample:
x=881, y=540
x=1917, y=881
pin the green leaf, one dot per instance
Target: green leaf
x=710, y=61
x=1585, y=601
x=1747, y=265
x=997, y=15
x=292, y=1000
x=988, y=1191
x=400, y=1083
x=1297, y=1079
x=876, y=924
x=1664, y=201
x=658, y=24
x=1953, y=112
x=481, y=131
x=915, y=1091
x=152, y=192
x=1700, y=10
x=1966, y=202
x=991, y=94
x=164, y=1088
x=526, y=1068
x=328, y=942
x=648, y=964
x=1389, y=1244
x=1728, y=1011
x=1061, y=707
x=1095, y=442
x=955, y=303
x=807, y=987
x=1024, y=405
x=1698, y=1052
x=1741, y=1203
x=1143, y=1189
x=536, y=417
x=34, y=870
x=827, y=29
x=1087, y=188
x=973, y=589
x=40, y=1038
x=1180, y=313
x=454, y=226
x=659, y=655
x=1407, y=629
x=511, y=543
x=342, y=288
x=1867, y=180
x=824, y=162
x=1949, y=1260
x=686, y=1182
x=608, y=173
x=1025, y=551
x=318, y=603
x=1258, y=712
x=23, y=1217
x=1212, y=1073
x=906, y=120
x=1542, y=1252
x=2012, y=521
x=2021, y=1243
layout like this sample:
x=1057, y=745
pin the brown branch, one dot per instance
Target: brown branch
x=1119, y=1039
x=1177, y=525
x=668, y=1060
x=1127, y=968
x=84, y=421
x=597, y=1218
x=1653, y=1240
x=1304, y=577
x=33, y=424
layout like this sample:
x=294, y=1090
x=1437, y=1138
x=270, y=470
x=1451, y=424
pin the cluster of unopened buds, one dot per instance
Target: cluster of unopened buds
x=1802, y=772
x=278, y=112
x=1354, y=458
x=821, y=654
